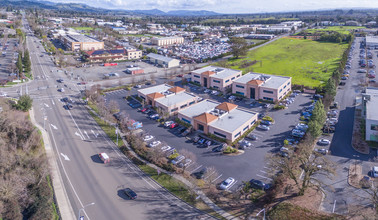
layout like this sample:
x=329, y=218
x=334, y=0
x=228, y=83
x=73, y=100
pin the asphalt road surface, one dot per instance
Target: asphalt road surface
x=77, y=139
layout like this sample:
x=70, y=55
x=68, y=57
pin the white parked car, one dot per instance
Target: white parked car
x=321, y=151
x=166, y=148
x=227, y=183
x=168, y=123
x=148, y=138
x=178, y=159
x=323, y=142
x=154, y=144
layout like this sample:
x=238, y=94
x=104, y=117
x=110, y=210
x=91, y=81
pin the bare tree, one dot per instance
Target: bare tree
x=210, y=175
x=188, y=155
x=113, y=106
x=310, y=164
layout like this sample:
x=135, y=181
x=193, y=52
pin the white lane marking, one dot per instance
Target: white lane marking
x=334, y=206
x=94, y=133
x=54, y=126
x=264, y=177
x=85, y=132
x=53, y=102
x=77, y=134
x=65, y=172
x=263, y=171
x=217, y=178
x=46, y=105
x=196, y=168
x=65, y=156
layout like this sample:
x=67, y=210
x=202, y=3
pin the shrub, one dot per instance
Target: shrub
x=278, y=107
x=230, y=150
x=173, y=156
x=268, y=118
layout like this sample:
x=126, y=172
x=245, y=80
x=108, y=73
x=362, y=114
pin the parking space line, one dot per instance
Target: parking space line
x=263, y=171
x=196, y=168
x=217, y=178
x=209, y=175
x=264, y=177
x=232, y=185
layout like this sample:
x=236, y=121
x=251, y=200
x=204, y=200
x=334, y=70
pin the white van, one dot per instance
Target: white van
x=104, y=157
x=375, y=172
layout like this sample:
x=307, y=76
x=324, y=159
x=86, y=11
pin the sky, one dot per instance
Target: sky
x=228, y=6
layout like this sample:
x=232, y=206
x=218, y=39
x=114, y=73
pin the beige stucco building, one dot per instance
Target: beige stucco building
x=167, y=41
x=224, y=120
x=81, y=42
x=262, y=86
x=218, y=78
x=169, y=99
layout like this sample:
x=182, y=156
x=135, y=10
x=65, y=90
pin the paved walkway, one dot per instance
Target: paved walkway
x=197, y=190
x=62, y=200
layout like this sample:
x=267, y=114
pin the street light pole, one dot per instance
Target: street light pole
x=80, y=217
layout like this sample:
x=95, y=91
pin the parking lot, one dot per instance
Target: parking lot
x=250, y=164
x=8, y=57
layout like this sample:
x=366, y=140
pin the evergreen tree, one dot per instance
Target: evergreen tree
x=314, y=128
x=19, y=63
x=318, y=114
x=26, y=61
x=330, y=87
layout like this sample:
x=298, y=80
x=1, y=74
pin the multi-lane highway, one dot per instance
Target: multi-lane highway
x=76, y=140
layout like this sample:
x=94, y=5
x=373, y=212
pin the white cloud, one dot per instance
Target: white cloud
x=228, y=6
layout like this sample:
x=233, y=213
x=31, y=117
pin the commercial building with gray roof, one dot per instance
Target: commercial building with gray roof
x=370, y=101
x=163, y=61
x=260, y=86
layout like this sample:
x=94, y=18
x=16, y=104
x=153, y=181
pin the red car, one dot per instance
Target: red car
x=173, y=125
x=144, y=110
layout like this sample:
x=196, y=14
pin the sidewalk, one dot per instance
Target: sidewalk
x=63, y=203
x=198, y=191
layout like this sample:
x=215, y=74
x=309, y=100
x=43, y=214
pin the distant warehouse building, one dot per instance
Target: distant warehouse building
x=134, y=70
x=262, y=86
x=81, y=42
x=371, y=42
x=224, y=120
x=112, y=55
x=162, y=60
x=167, y=41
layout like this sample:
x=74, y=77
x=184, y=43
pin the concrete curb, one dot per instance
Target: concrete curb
x=63, y=202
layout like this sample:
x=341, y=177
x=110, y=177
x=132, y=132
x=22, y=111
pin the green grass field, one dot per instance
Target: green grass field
x=309, y=63
x=340, y=29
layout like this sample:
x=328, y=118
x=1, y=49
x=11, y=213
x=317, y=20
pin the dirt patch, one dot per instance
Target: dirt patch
x=355, y=175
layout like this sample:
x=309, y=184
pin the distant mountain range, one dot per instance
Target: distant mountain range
x=85, y=8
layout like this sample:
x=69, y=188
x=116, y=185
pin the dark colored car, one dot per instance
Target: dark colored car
x=65, y=99
x=130, y=193
x=200, y=174
x=68, y=106
x=258, y=184
x=135, y=104
x=264, y=122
